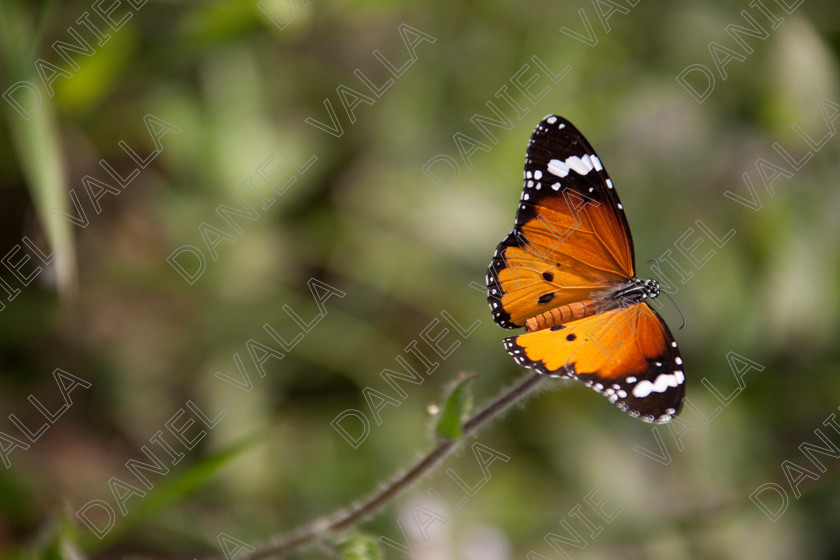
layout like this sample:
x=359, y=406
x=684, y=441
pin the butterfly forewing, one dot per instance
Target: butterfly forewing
x=570, y=236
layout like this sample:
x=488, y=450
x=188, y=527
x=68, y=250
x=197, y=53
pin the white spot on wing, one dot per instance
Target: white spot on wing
x=579, y=165
x=660, y=384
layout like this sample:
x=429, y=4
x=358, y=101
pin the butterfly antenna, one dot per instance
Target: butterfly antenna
x=655, y=266
x=682, y=317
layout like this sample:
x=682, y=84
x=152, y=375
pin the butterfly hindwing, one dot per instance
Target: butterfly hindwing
x=570, y=237
x=627, y=354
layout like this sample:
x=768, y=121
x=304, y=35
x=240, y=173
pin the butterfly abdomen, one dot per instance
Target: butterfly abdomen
x=560, y=315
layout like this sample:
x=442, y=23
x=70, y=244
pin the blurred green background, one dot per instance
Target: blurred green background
x=239, y=80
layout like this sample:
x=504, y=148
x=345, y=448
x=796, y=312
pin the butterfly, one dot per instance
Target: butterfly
x=567, y=274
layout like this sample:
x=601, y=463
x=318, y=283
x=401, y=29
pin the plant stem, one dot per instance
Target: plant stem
x=343, y=519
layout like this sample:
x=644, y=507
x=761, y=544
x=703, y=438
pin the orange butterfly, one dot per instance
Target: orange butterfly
x=566, y=273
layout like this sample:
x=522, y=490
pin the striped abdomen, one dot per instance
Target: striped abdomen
x=561, y=315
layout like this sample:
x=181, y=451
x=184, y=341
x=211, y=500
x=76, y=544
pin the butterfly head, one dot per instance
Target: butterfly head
x=649, y=287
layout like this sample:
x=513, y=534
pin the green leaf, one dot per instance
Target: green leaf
x=456, y=408
x=360, y=546
x=37, y=138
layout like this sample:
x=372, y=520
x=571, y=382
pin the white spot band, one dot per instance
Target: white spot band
x=579, y=165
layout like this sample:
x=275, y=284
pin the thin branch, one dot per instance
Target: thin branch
x=349, y=517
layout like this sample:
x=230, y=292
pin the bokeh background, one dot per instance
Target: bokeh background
x=239, y=79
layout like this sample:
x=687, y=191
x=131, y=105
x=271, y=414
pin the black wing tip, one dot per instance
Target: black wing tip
x=654, y=396
x=556, y=122
x=552, y=119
